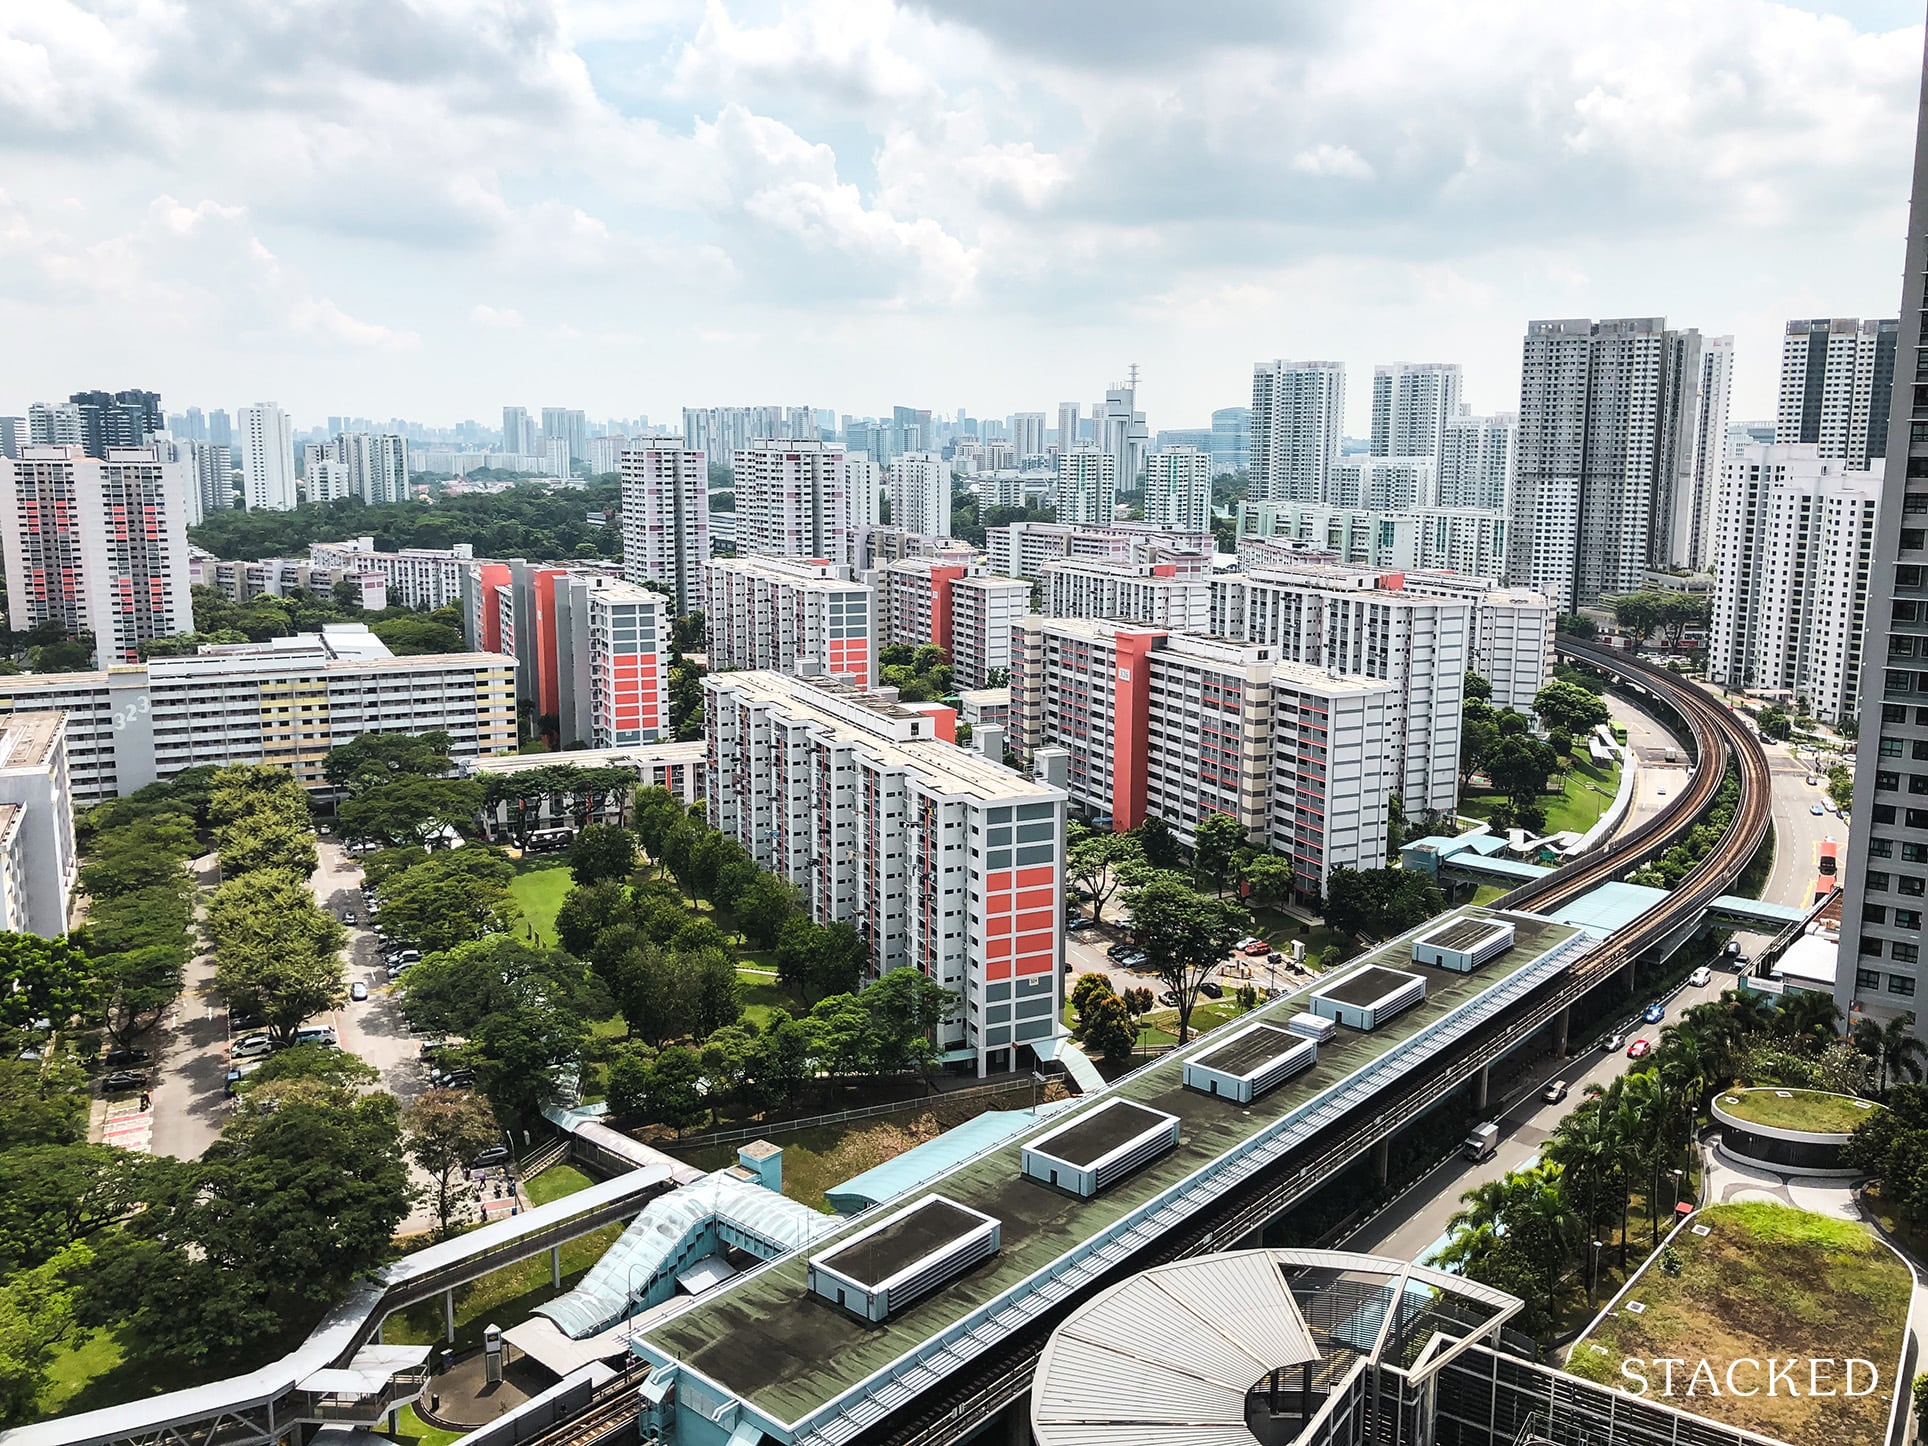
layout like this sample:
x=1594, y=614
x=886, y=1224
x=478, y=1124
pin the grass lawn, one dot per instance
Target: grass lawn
x=1486, y=893
x=1769, y=1280
x=757, y=987
x=538, y=893
x=412, y=1430
x=1279, y=930
x=556, y=1182
x=1587, y=791
x=90, y=1371
x=1814, y=1110
x=505, y=1297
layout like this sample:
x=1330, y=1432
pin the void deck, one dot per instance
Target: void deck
x=789, y=1356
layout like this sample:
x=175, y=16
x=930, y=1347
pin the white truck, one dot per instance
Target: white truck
x=1481, y=1144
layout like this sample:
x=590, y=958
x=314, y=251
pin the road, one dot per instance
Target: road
x=1656, y=777
x=190, y=1049
x=374, y=1028
x=1415, y=1223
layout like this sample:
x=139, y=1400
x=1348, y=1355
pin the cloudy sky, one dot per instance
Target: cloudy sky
x=429, y=208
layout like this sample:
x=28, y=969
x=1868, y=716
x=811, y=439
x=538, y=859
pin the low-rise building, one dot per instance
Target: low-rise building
x=38, y=857
x=677, y=767
x=944, y=861
x=417, y=577
x=287, y=702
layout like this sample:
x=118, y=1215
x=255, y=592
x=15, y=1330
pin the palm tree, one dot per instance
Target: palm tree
x=1893, y=1046
x=1807, y=1020
x=1583, y=1146
x=1655, y=1106
x=1749, y=1011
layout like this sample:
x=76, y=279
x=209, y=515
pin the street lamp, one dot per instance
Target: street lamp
x=1676, y=1175
x=1593, y=1270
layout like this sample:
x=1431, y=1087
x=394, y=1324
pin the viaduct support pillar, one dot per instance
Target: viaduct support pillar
x=1381, y=1159
x=555, y=1266
x=448, y=1312
x=1481, y=1085
x=1562, y=1024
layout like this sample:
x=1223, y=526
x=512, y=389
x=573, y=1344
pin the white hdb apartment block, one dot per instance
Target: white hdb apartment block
x=1151, y=593
x=790, y=616
x=38, y=856
x=943, y=860
x=666, y=517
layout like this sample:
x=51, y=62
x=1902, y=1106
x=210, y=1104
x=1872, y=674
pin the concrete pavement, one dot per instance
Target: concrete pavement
x=190, y=1048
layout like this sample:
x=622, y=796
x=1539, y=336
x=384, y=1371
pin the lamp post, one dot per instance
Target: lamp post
x=1676, y=1175
x=1593, y=1270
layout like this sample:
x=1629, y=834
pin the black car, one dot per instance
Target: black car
x=1118, y=951
x=124, y=1079
x=246, y=1020
x=494, y=1155
x=1211, y=990
x=121, y=1058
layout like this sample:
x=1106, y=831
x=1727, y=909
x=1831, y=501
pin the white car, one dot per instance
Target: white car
x=255, y=1046
x=358, y=991
x=1701, y=977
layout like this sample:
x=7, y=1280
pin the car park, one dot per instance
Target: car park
x=121, y=1058
x=1554, y=1092
x=124, y=1079
x=1639, y=1049
x=1701, y=977
x=358, y=991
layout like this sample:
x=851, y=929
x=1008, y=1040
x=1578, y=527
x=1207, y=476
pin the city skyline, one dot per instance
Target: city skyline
x=748, y=202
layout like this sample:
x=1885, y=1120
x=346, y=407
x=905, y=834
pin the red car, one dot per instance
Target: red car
x=1258, y=947
x=1639, y=1049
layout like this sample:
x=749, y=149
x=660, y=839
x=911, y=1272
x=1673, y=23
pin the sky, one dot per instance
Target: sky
x=431, y=208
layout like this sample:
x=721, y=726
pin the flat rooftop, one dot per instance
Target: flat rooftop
x=27, y=739
x=1246, y=1053
x=1368, y=986
x=765, y=1340
x=1460, y=934
x=901, y=1243
x=1098, y=1132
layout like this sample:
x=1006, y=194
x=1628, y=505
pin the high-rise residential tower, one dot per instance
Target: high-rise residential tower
x=1710, y=448
x=1027, y=435
x=666, y=518
x=1298, y=409
x=267, y=458
x=518, y=431
x=98, y=545
x=1476, y=461
x=792, y=500
x=1606, y=447
x=1411, y=405
x=1837, y=378
x=1087, y=485
x=1879, y=963
x=920, y=493
x=211, y=487
x=1178, y=489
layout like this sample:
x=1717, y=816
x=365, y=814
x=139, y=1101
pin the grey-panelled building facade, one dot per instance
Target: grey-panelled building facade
x=1879, y=966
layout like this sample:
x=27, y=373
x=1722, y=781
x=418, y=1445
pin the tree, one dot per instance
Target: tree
x=726, y=1055
x=449, y=898
x=1267, y=877
x=275, y=951
x=1089, y=861
x=602, y=852
x=266, y=842
x=1109, y=1029
x=1478, y=688
x=1156, y=844
x=42, y=1102
x=372, y=759
x=54, y=1195
x=1479, y=735
x=1570, y=708
x=1893, y=1047
x=1378, y=903
x=627, y=1085
x=1215, y=842
x=1576, y=625
x=782, y=1060
x=1520, y=767
x=1774, y=723
x=819, y=960
x=1085, y=993
x=411, y=811
x=586, y=911
x=47, y=979
x=1185, y=936
x=442, y=1131
x=674, y=1089
x=763, y=909
x=37, y=1315
x=148, y=853
x=714, y=1001
x=408, y=637
x=905, y=1008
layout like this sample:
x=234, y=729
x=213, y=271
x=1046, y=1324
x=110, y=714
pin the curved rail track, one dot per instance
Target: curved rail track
x=1722, y=747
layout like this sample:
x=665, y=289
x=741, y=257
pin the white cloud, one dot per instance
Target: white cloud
x=506, y=317
x=1340, y=161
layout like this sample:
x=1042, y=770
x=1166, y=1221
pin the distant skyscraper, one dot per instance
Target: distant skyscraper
x=1028, y=434
x=571, y=426
x=1068, y=417
x=1411, y=405
x=1710, y=449
x=98, y=545
x=1476, y=461
x=518, y=431
x=1087, y=485
x=117, y=419
x=1607, y=414
x=1837, y=378
x=666, y=518
x=220, y=428
x=55, y=424
x=371, y=466
x=13, y=436
x=792, y=500
x=1231, y=439
x=1887, y=872
x=1120, y=430
x=267, y=458
x=211, y=482
x=1298, y=409
x=1178, y=489
x=920, y=493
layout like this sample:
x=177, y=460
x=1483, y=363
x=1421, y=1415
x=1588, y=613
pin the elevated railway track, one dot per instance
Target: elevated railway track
x=1722, y=747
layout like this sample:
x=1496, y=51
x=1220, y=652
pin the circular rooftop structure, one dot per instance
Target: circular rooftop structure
x=1789, y=1131
x=1265, y=1346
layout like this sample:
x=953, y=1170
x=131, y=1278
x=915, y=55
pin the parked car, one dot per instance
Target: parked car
x=1118, y=951
x=1211, y=989
x=1701, y=977
x=245, y=1020
x=358, y=991
x=348, y=916
x=315, y=1034
x=121, y=1058
x=1653, y=1014
x=1813, y=779
x=1169, y=999
x=494, y=1155
x=1554, y=1092
x=1275, y=957
x=1247, y=942
x=254, y=1046
x=1639, y=1049
x=1080, y=921
x=124, y=1079
x=1257, y=947
x=1816, y=809
x=1133, y=959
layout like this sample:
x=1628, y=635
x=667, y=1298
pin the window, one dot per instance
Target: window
x=1906, y=919
x=1874, y=914
x=1901, y=984
x=1877, y=881
x=1884, y=813
x=1913, y=885
x=1870, y=947
x=1891, y=748
x=1867, y=979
